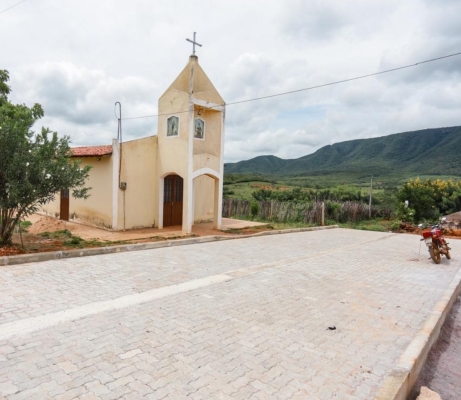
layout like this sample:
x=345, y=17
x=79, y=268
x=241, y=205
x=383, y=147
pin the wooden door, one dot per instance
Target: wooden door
x=64, y=206
x=172, y=200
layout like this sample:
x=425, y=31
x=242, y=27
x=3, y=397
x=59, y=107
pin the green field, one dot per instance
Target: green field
x=245, y=189
x=241, y=186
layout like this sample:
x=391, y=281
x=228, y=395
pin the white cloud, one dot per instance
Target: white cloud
x=79, y=102
x=82, y=57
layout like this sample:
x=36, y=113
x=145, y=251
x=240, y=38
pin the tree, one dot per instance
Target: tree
x=33, y=166
x=431, y=198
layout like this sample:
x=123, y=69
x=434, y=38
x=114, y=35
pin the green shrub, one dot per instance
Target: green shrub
x=75, y=240
x=394, y=225
x=62, y=234
x=254, y=209
x=406, y=214
x=430, y=198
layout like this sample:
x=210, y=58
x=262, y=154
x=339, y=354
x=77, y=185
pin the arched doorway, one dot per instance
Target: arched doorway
x=172, y=200
x=207, y=196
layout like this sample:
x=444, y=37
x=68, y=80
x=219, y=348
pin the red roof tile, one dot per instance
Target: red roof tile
x=91, y=151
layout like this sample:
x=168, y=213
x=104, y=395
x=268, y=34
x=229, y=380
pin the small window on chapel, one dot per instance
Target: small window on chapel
x=199, y=128
x=172, y=126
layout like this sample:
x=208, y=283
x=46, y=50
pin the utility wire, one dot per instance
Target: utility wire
x=9, y=8
x=311, y=87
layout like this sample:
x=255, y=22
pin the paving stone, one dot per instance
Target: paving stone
x=72, y=394
x=26, y=394
x=261, y=334
x=67, y=367
x=7, y=388
x=130, y=354
x=125, y=380
x=126, y=371
x=141, y=389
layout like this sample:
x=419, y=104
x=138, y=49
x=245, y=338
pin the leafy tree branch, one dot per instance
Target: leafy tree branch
x=34, y=167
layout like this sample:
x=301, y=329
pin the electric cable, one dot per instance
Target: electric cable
x=9, y=8
x=308, y=88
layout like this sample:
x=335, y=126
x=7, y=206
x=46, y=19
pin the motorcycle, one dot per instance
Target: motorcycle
x=436, y=243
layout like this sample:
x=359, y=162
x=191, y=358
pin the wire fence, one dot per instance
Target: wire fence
x=309, y=212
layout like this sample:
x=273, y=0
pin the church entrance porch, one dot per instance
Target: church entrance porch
x=172, y=200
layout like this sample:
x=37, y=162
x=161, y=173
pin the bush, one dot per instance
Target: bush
x=406, y=214
x=430, y=198
x=254, y=209
x=76, y=240
x=395, y=225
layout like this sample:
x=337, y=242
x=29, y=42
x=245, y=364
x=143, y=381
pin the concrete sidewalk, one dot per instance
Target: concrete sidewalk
x=87, y=232
x=442, y=371
x=313, y=315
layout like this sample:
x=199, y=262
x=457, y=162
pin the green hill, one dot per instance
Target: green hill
x=427, y=152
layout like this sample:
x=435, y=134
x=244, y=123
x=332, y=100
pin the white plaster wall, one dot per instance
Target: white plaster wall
x=97, y=209
x=203, y=198
x=137, y=204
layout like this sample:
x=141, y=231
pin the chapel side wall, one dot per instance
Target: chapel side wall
x=52, y=207
x=96, y=210
x=211, y=143
x=138, y=204
x=203, y=198
x=207, y=151
x=174, y=153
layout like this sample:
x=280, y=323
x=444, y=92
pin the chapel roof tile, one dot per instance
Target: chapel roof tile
x=91, y=151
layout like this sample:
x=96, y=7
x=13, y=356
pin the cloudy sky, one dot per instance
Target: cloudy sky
x=78, y=57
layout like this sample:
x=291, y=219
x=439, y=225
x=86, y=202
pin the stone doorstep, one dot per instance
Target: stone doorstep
x=56, y=255
x=403, y=376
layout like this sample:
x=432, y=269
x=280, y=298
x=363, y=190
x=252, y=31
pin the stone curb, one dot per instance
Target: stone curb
x=403, y=376
x=57, y=255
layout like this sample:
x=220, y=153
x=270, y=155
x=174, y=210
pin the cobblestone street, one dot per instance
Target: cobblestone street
x=312, y=315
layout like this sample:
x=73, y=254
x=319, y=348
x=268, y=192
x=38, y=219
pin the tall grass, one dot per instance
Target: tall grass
x=308, y=213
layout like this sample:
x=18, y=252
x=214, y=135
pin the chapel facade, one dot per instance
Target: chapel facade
x=174, y=178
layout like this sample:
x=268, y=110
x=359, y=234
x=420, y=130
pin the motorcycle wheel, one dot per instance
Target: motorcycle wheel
x=447, y=254
x=435, y=254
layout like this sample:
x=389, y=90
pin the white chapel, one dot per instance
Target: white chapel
x=172, y=178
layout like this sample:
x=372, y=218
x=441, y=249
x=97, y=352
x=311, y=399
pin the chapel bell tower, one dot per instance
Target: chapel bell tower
x=190, y=150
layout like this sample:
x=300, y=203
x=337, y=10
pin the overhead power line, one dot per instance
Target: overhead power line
x=311, y=87
x=9, y=8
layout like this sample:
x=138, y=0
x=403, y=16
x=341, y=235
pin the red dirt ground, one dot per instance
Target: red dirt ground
x=96, y=237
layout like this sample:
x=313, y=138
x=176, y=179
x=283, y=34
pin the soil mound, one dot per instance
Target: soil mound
x=46, y=224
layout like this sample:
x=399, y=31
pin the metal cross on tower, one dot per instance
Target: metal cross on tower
x=193, y=44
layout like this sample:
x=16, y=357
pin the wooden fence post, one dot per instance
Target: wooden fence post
x=323, y=213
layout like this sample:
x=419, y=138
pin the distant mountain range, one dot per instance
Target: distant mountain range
x=427, y=152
